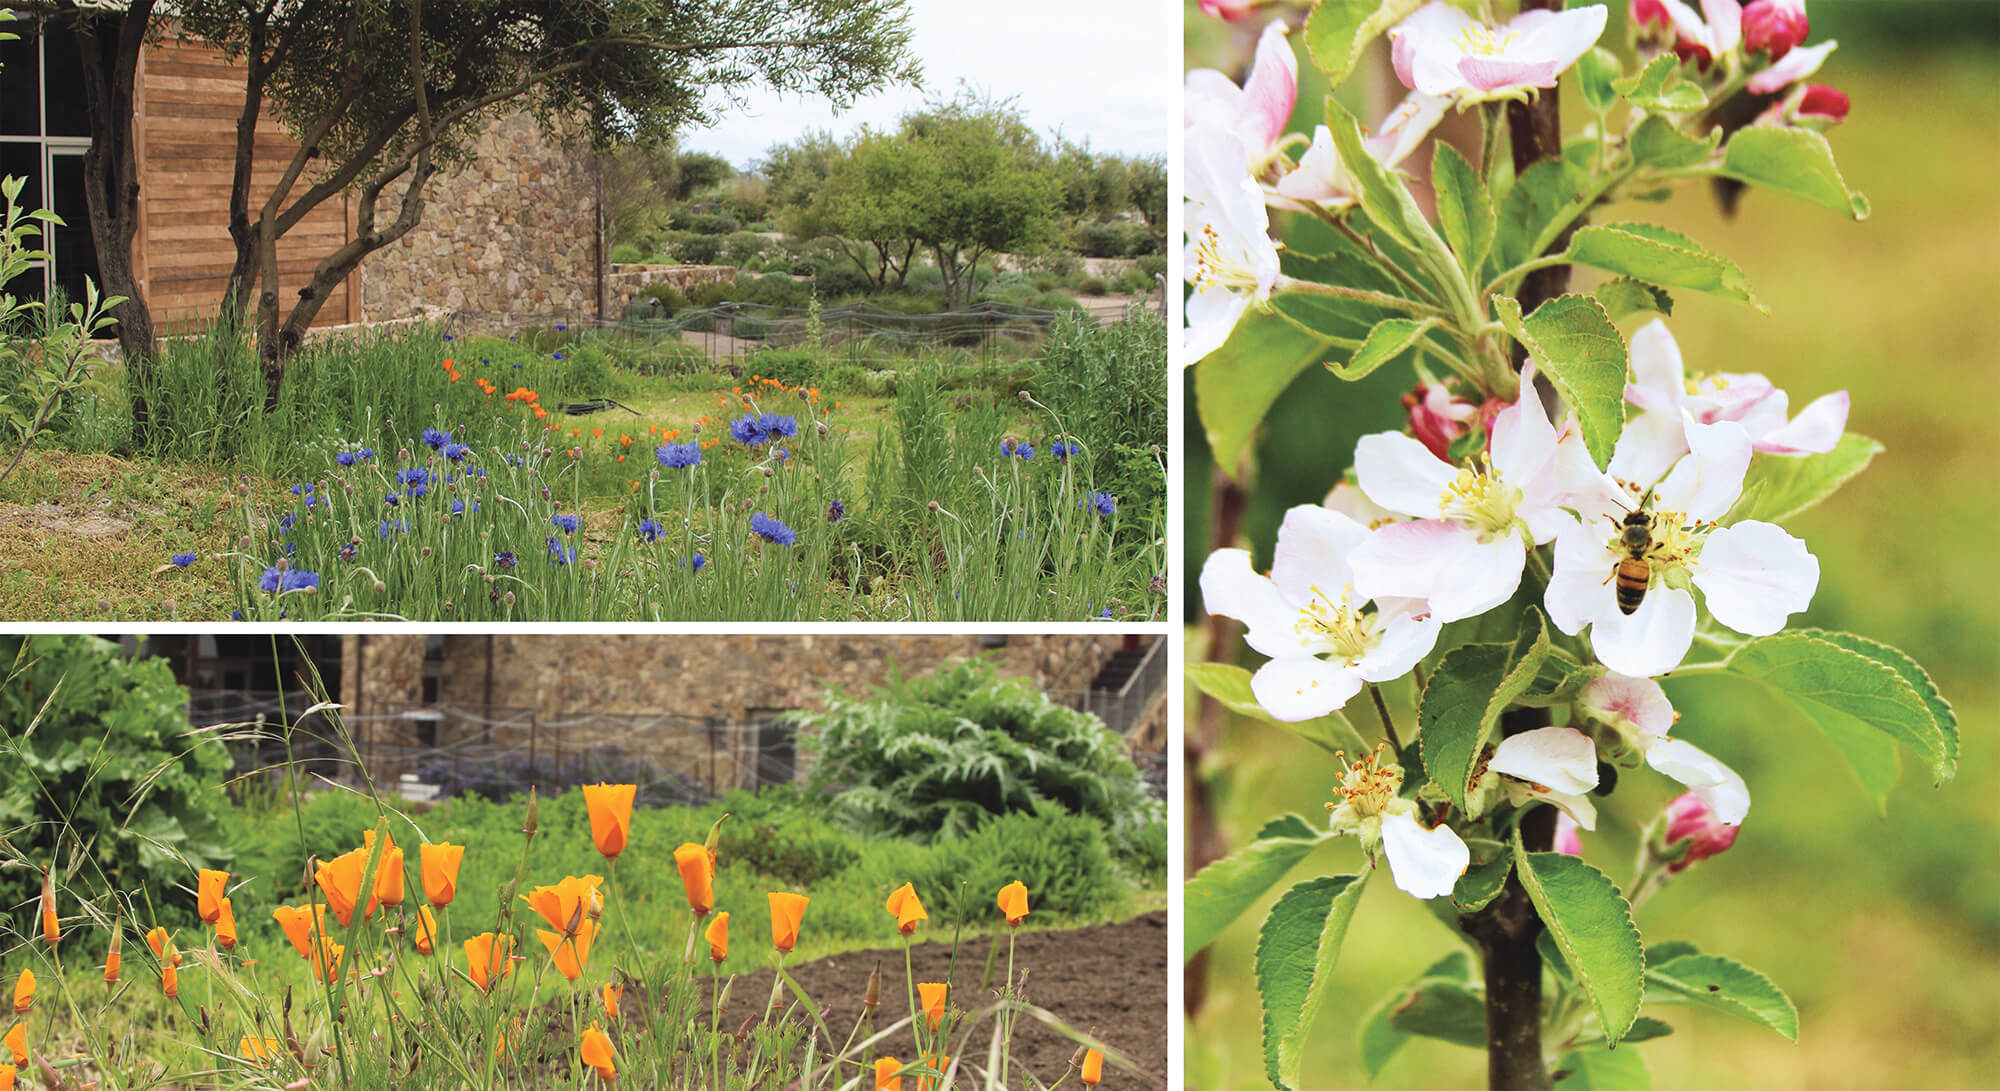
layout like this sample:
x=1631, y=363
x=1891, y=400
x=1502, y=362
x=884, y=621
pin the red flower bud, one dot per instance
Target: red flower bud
x=1824, y=104
x=1774, y=25
x=1689, y=819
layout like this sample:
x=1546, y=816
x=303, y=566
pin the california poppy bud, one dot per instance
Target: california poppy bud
x=115, y=954
x=888, y=1074
x=1774, y=26
x=610, y=807
x=907, y=910
x=24, y=992
x=595, y=1049
x=1093, y=1068
x=225, y=926
x=872, y=999
x=697, y=876
x=788, y=912
x=532, y=822
x=717, y=935
x=1014, y=902
x=51, y=927
x=931, y=998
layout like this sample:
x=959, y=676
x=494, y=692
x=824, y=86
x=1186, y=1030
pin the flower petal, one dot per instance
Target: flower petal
x=1660, y=379
x=1709, y=478
x=1561, y=759
x=1295, y=688
x=1231, y=588
x=1523, y=447
x=1424, y=48
x=1557, y=38
x=1815, y=430
x=1652, y=640
x=1319, y=176
x=1272, y=89
x=1496, y=73
x=1425, y=863
x=1650, y=444
x=1401, y=474
x=1404, y=130
x=1797, y=65
x=1715, y=784
x=1754, y=575
x=1725, y=23
x=1443, y=563
x=1409, y=633
x=1636, y=703
x=1348, y=499
x=1310, y=560
x=1580, y=590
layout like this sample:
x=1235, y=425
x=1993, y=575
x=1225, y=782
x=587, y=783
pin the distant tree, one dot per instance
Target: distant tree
x=979, y=182
x=796, y=170
x=1147, y=182
x=639, y=182
x=700, y=171
x=864, y=206
x=1094, y=186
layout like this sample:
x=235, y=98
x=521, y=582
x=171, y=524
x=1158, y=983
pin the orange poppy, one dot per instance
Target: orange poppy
x=595, y=1049
x=427, y=927
x=388, y=870
x=939, y=1063
x=439, y=864
x=259, y=1050
x=624, y=440
x=611, y=994
x=340, y=879
x=597, y=433
x=887, y=1076
x=210, y=888
x=540, y=412
x=1093, y=1068
x=448, y=364
x=1014, y=902
x=571, y=953
x=51, y=927
x=157, y=940
x=788, y=911
x=717, y=936
x=7, y=1077
x=299, y=923
x=610, y=816
x=24, y=991
x=486, y=959
x=326, y=966
x=907, y=910
x=930, y=996
x=170, y=979
x=565, y=904
x=17, y=1042
x=697, y=875
x=225, y=926
x=621, y=458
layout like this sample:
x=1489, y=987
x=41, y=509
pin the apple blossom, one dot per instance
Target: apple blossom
x=1638, y=710
x=1661, y=388
x=1690, y=820
x=1568, y=841
x=1440, y=50
x=1774, y=26
x=1702, y=38
x=1255, y=113
x=1230, y=9
x=1474, y=525
x=1425, y=863
x=1752, y=575
x=1230, y=259
x=1348, y=499
x=1797, y=65
x=1437, y=418
x=1307, y=609
x=1819, y=107
x=1557, y=765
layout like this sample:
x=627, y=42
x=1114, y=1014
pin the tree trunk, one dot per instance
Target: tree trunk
x=110, y=52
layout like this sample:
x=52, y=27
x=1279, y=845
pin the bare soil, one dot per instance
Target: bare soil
x=1112, y=977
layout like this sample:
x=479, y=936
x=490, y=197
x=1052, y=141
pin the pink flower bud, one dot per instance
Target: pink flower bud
x=1822, y=104
x=1568, y=841
x=1774, y=25
x=1228, y=9
x=1437, y=418
x=1647, y=14
x=1689, y=819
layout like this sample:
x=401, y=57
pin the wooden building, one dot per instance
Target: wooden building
x=518, y=232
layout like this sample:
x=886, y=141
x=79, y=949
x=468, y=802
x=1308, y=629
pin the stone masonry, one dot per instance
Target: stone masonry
x=511, y=237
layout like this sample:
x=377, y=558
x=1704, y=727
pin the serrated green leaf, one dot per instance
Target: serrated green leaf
x=1236, y=384
x=1444, y=1010
x=1596, y=70
x=1462, y=702
x=1220, y=892
x=1658, y=256
x=1583, y=356
x=1296, y=954
x=1337, y=30
x=1778, y=487
x=1824, y=679
x=1871, y=757
x=1624, y=297
x=1484, y=876
x=1377, y=1039
x=1230, y=685
x=1465, y=210
x=1941, y=711
x=1658, y=88
x=1530, y=205
x=1552, y=957
x=1390, y=338
x=1795, y=161
x=1727, y=985
x=1593, y=929
x=1658, y=143
x=1603, y=1070
x=1383, y=196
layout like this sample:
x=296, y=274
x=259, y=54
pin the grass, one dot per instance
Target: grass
x=1884, y=930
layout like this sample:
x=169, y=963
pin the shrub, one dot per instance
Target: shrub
x=501, y=779
x=1104, y=383
x=693, y=249
x=836, y=280
x=792, y=367
x=98, y=747
x=704, y=223
x=1058, y=302
x=626, y=253
x=1153, y=265
x=1114, y=239
x=1091, y=286
x=671, y=299
x=796, y=848
x=741, y=246
x=938, y=756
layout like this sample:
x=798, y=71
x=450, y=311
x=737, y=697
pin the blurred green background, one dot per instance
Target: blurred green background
x=1885, y=930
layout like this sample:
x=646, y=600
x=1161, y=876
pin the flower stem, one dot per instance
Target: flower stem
x=1359, y=295
x=1388, y=721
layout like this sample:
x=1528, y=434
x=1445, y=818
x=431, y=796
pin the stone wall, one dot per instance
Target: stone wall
x=701, y=705
x=513, y=236
x=625, y=281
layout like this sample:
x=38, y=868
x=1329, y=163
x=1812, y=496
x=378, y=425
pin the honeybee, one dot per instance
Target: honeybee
x=1634, y=571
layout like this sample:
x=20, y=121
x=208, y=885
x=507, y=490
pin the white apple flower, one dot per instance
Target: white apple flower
x=1752, y=575
x=1257, y=112
x=1348, y=499
x=1797, y=65
x=1474, y=525
x=1442, y=51
x=1425, y=863
x=1554, y=764
x=1324, y=641
x=1639, y=710
x=1661, y=388
x=1704, y=39
x=1321, y=178
x=1230, y=258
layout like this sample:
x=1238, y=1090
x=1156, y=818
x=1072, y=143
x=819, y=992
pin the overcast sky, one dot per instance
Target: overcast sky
x=1095, y=69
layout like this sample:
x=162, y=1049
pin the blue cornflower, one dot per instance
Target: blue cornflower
x=745, y=430
x=560, y=327
x=448, y=337
x=1103, y=502
x=769, y=529
x=285, y=524
x=516, y=460
x=182, y=560
x=347, y=458
x=1106, y=614
x=835, y=511
x=678, y=456
x=1059, y=449
x=400, y=526
x=417, y=492
x=649, y=531
x=778, y=424
x=392, y=500
x=568, y=524
x=348, y=551
x=557, y=355
x=695, y=562
x=288, y=579
x=1026, y=451
x=456, y=451
x=505, y=560
x=1007, y=448
x=415, y=475
x=559, y=554
x=458, y=507
x=302, y=490
x=435, y=439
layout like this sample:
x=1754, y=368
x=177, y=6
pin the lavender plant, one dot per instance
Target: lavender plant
x=1567, y=514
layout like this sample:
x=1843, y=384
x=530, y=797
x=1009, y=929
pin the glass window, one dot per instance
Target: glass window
x=20, y=78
